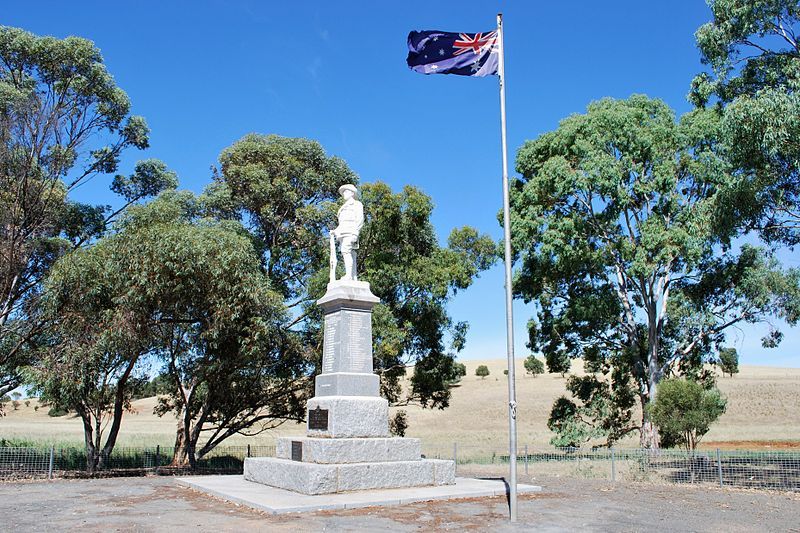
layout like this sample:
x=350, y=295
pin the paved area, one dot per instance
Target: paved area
x=159, y=504
x=275, y=501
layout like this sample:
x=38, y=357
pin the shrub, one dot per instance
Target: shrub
x=459, y=371
x=57, y=411
x=533, y=366
x=482, y=371
x=399, y=424
x=683, y=411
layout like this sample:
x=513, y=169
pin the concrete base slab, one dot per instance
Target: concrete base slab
x=276, y=501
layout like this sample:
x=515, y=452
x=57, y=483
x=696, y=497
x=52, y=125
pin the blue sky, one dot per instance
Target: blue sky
x=204, y=73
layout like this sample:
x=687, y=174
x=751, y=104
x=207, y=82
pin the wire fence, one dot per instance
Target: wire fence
x=35, y=462
x=778, y=470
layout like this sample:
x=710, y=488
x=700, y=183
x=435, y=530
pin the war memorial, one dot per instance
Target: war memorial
x=347, y=457
x=347, y=445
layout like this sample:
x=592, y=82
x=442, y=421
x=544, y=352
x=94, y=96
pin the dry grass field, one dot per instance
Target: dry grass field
x=763, y=410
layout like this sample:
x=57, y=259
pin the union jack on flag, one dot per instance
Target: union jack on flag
x=464, y=54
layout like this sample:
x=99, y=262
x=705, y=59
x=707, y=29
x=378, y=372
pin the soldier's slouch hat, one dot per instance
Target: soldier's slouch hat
x=348, y=187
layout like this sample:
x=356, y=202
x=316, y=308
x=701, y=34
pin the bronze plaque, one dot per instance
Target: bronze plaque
x=318, y=419
x=297, y=450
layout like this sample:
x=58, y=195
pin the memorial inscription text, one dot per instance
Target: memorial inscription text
x=318, y=419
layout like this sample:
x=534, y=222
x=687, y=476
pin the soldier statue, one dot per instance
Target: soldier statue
x=351, y=218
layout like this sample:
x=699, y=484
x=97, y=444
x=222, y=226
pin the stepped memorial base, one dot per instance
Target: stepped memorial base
x=347, y=446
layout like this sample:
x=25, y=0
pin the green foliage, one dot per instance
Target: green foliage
x=558, y=362
x=141, y=387
x=729, y=361
x=411, y=323
x=482, y=371
x=599, y=408
x=459, y=371
x=751, y=47
x=283, y=189
x=684, y=410
x=57, y=411
x=63, y=121
x=533, y=366
x=615, y=223
x=150, y=177
x=185, y=290
x=398, y=424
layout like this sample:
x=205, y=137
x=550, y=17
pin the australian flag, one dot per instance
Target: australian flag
x=465, y=54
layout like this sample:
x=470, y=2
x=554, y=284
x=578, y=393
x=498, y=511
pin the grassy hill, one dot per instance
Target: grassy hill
x=763, y=410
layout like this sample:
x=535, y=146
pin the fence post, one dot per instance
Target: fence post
x=248, y=450
x=613, y=465
x=50, y=465
x=719, y=466
x=455, y=455
x=526, y=459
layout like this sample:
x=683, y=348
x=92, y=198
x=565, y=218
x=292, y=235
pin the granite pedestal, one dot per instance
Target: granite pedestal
x=347, y=445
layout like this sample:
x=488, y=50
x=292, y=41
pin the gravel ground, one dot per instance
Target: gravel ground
x=159, y=504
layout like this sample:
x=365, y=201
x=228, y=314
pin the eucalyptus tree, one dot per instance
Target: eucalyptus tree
x=614, y=225
x=217, y=327
x=751, y=47
x=165, y=284
x=91, y=347
x=63, y=121
x=729, y=361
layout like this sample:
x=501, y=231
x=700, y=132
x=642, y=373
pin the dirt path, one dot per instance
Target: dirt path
x=159, y=504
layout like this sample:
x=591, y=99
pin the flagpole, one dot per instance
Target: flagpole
x=512, y=393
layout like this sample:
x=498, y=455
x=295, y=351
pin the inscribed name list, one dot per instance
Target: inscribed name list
x=330, y=342
x=359, y=342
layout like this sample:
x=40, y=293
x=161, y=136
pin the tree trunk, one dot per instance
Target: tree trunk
x=88, y=438
x=119, y=408
x=649, y=435
x=194, y=435
x=186, y=438
x=179, y=457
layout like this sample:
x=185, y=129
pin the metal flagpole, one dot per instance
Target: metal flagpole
x=512, y=393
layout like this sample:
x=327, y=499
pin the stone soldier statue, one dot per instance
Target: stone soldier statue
x=351, y=218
